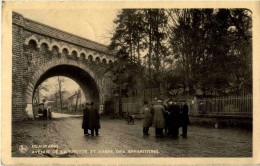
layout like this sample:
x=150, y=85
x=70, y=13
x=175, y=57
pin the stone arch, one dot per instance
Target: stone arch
x=65, y=51
x=42, y=41
x=110, y=62
x=48, y=46
x=104, y=61
x=32, y=44
x=44, y=49
x=55, y=50
x=83, y=56
x=64, y=47
x=90, y=57
x=74, y=54
x=97, y=60
x=46, y=71
x=28, y=39
x=82, y=52
x=57, y=45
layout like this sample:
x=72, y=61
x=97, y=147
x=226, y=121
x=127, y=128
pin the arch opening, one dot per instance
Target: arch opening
x=104, y=61
x=90, y=58
x=32, y=44
x=63, y=95
x=97, y=60
x=85, y=81
x=65, y=52
x=74, y=54
x=55, y=51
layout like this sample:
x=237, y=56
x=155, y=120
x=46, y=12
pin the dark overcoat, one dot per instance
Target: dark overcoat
x=175, y=115
x=184, y=114
x=85, y=122
x=158, y=116
x=94, y=119
x=44, y=113
x=147, y=116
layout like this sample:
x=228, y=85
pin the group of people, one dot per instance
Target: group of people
x=90, y=119
x=170, y=116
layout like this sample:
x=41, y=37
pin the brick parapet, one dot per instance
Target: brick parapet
x=52, y=32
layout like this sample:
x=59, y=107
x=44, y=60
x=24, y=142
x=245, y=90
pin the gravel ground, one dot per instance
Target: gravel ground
x=64, y=137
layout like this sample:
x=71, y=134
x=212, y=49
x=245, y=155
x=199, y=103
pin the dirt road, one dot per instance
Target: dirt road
x=118, y=139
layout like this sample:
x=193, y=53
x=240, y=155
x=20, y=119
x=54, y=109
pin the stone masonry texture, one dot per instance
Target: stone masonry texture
x=37, y=47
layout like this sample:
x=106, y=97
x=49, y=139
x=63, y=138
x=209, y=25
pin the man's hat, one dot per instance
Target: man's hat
x=159, y=101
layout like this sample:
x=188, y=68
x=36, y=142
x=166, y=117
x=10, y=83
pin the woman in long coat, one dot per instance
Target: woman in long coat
x=158, y=118
x=147, y=118
x=94, y=117
x=85, y=122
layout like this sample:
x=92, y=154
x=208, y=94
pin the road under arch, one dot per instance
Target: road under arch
x=82, y=76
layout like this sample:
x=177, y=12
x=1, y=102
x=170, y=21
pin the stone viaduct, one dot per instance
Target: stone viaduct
x=40, y=52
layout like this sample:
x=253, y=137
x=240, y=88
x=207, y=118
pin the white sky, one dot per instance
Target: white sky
x=93, y=24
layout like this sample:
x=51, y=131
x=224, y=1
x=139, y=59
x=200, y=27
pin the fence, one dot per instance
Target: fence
x=131, y=105
x=223, y=106
x=238, y=106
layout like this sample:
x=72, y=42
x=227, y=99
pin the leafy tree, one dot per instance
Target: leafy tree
x=155, y=23
x=212, y=47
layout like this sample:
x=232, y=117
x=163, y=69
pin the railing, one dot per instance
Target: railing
x=237, y=106
x=223, y=106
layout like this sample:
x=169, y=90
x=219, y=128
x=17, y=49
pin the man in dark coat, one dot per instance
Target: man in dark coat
x=94, y=117
x=184, y=118
x=44, y=114
x=167, y=119
x=175, y=114
x=85, y=122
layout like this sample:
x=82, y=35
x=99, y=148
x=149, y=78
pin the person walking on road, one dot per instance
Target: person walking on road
x=184, y=118
x=158, y=118
x=94, y=117
x=85, y=122
x=147, y=118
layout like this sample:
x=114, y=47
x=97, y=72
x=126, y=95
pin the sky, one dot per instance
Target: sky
x=93, y=24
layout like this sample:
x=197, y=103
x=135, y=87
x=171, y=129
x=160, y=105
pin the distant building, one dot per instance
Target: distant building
x=76, y=100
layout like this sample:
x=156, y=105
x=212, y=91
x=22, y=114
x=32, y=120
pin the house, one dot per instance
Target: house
x=76, y=100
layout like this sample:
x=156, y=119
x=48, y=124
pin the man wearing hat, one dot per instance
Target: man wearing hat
x=184, y=117
x=85, y=122
x=175, y=114
x=94, y=117
x=158, y=118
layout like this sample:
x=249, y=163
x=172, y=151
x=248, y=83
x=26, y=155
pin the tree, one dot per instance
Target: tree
x=139, y=32
x=60, y=82
x=210, y=46
x=155, y=21
x=38, y=94
x=127, y=41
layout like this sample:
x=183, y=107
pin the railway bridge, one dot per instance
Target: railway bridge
x=40, y=52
